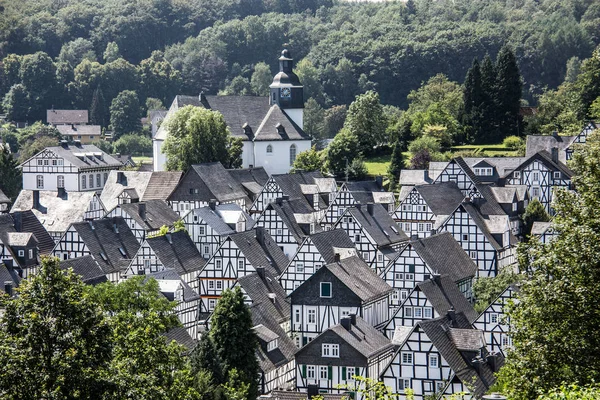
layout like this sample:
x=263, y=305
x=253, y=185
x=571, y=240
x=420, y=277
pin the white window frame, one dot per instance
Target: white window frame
x=434, y=361
x=330, y=350
x=427, y=312
x=240, y=265
x=406, y=358
x=60, y=181
x=311, y=372
x=493, y=318
x=408, y=312
x=202, y=230
x=39, y=180
x=311, y=316
x=212, y=303
x=211, y=285
x=517, y=174
x=218, y=264
x=418, y=312
x=21, y=253
x=350, y=373
x=323, y=372
x=299, y=266
x=219, y=284
x=321, y=290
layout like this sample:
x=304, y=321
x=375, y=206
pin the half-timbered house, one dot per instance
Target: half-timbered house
x=288, y=222
x=439, y=357
x=423, y=258
x=459, y=172
x=210, y=226
x=10, y=280
x=174, y=250
x=71, y=167
x=58, y=210
x=494, y=322
x=336, y=290
x=352, y=193
x=108, y=240
x=542, y=173
x=430, y=299
x=145, y=218
x=334, y=359
x=252, y=180
x=314, y=252
x=239, y=255
x=544, y=231
x=204, y=182
x=423, y=208
x=376, y=236
x=174, y=288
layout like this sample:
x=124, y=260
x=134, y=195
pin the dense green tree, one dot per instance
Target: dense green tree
x=308, y=161
x=232, y=329
x=555, y=321
x=474, y=99
x=366, y=121
x=509, y=89
x=239, y=86
x=486, y=290
x=111, y=53
x=55, y=342
x=573, y=69
x=10, y=174
x=125, y=114
x=204, y=357
x=261, y=79
x=133, y=144
x=16, y=103
x=357, y=170
x=309, y=76
x=158, y=78
x=587, y=84
x=341, y=152
x=397, y=162
x=196, y=135
x=334, y=119
x=36, y=138
x=572, y=392
x=235, y=148
x=535, y=212
x=76, y=51
x=314, y=117
x=98, y=109
x=153, y=103
x=11, y=65
x=105, y=146
x=38, y=75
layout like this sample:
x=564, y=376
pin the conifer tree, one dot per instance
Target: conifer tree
x=474, y=99
x=98, y=108
x=10, y=174
x=397, y=163
x=508, y=94
x=488, y=112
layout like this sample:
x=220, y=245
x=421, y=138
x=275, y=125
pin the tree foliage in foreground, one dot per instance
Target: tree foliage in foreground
x=555, y=323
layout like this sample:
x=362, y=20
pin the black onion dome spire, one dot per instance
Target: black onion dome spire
x=286, y=75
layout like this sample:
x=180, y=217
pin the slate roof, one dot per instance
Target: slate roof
x=539, y=228
x=278, y=126
x=412, y=177
x=158, y=213
x=3, y=197
x=441, y=332
x=101, y=239
x=503, y=165
x=252, y=179
x=210, y=181
x=20, y=239
x=445, y=256
x=536, y=143
x=287, y=209
x=56, y=213
x=488, y=205
x=480, y=221
x=239, y=110
x=161, y=184
x=217, y=219
x=170, y=274
x=87, y=268
x=177, y=251
x=327, y=242
x=74, y=130
x=266, y=254
x=267, y=291
x=359, y=278
x=363, y=337
x=124, y=159
x=379, y=225
x=293, y=395
x=443, y=293
x=291, y=185
x=442, y=198
x=30, y=223
x=84, y=156
x=181, y=336
x=58, y=117
x=8, y=274
x=363, y=186
x=505, y=195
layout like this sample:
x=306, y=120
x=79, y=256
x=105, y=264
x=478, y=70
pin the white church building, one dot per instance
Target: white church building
x=270, y=127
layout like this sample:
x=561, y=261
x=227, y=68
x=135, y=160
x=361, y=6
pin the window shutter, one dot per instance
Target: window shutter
x=329, y=372
x=411, y=268
x=304, y=371
x=344, y=373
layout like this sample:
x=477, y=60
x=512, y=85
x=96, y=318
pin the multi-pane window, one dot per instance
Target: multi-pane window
x=60, y=181
x=98, y=180
x=310, y=372
x=218, y=264
x=40, y=181
x=408, y=312
x=427, y=312
x=536, y=176
x=403, y=295
x=211, y=284
x=323, y=372
x=211, y=304
x=403, y=384
x=105, y=177
x=91, y=181
x=350, y=373
x=292, y=154
x=299, y=267
x=433, y=360
x=330, y=350
x=517, y=174
x=240, y=264
x=202, y=230
x=219, y=285
x=407, y=358
x=418, y=312
x=312, y=316
x=494, y=318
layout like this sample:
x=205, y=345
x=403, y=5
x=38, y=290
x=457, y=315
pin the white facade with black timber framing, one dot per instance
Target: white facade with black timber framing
x=458, y=171
x=581, y=138
x=495, y=322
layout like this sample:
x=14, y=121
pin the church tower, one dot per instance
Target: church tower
x=287, y=91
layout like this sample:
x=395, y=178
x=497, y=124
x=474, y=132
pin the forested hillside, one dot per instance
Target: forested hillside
x=61, y=52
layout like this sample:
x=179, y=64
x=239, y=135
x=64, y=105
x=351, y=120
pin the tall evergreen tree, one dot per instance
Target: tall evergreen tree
x=474, y=99
x=488, y=111
x=10, y=174
x=98, y=108
x=235, y=341
x=397, y=163
x=509, y=88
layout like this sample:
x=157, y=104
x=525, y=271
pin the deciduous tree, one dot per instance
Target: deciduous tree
x=125, y=114
x=366, y=121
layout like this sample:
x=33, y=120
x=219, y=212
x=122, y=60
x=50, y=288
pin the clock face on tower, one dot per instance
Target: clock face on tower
x=285, y=93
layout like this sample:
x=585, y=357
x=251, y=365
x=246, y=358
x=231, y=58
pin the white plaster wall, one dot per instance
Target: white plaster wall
x=159, y=159
x=278, y=162
x=297, y=115
x=50, y=181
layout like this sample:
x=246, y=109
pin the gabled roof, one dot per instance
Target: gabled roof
x=539, y=228
x=261, y=250
x=327, y=242
x=291, y=185
x=129, y=180
x=278, y=126
x=8, y=275
x=30, y=223
x=252, y=179
x=546, y=159
x=218, y=219
x=536, y=143
x=112, y=248
x=177, y=251
x=445, y=256
x=87, y=268
x=267, y=291
x=158, y=213
x=363, y=186
x=58, y=117
x=20, y=239
x=374, y=219
x=466, y=169
x=74, y=130
x=161, y=184
x=443, y=293
x=363, y=337
x=358, y=277
x=124, y=159
x=503, y=165
x=239, y=110
x=442, y=198
x=56, y=213
x=487, y=204
x=505, y=195
x=287, y=209
x=480, y=221
x=284, y=353
x=447, y=337
x=168, y=276
x=84, y=156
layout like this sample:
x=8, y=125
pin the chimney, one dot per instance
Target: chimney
x=64, y=143
x=77, y=143
x=555, y=154
x=414, y=237
x=379, y=181
x=8, y=288
x=353, y=319
x=279, y=201
x=169, y=238
x=36, y=199
x=120, y=177
x=247, y=130
x=452, y=315
x=202, y=97
x=432, y=232
x=260, y=235
x=436, y=277
x=477, y=363
x=426, y=175
x=18, y=220
x=260, y=271
x=492, y=360
x=73, y=127
x=212, y=203
x=346, y=323
x=336, y=257
x=370, y=208
x=285, y=197
x=312, y=391
x=555, y=134
x=142, y=210
x=358, y=206
x=62, y=192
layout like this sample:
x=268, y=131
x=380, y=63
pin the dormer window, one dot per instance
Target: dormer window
x=517, y=174
x=272, y=345
x=484, y=171
x=556, y=174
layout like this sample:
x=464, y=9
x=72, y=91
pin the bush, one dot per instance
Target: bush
x=513, y=142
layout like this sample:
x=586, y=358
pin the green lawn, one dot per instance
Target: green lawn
x=142, y=160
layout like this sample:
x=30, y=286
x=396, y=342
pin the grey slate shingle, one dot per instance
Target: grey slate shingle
x=87, y=268
x=363, y=337
x=177, y=251
x=267, y=254
x=327, y=241
x=359, y=278
x=442, y=198
x=444, y=294
x=379, y=225
x=158, y=213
